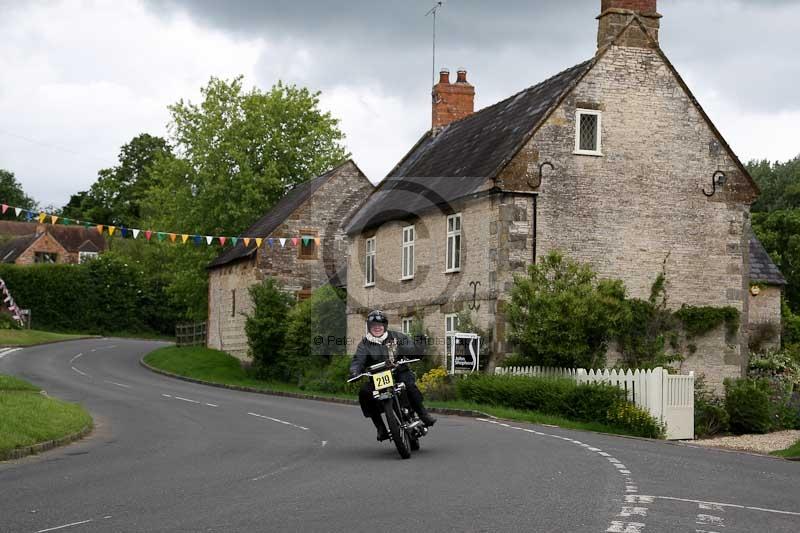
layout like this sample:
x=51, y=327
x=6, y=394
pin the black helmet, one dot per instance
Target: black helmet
x=377, y=317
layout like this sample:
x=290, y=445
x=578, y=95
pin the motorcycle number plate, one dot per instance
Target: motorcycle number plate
x=384, y=380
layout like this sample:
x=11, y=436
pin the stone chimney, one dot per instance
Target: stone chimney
x=451, y=101
x=615, y=15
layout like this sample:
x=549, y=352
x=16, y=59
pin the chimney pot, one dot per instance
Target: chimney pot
x=461, y=76
x=444, y=76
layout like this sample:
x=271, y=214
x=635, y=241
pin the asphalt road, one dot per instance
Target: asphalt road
x=167, y=455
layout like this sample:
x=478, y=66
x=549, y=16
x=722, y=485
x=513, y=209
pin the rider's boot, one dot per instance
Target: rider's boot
x=383, y=434
x=415, y=399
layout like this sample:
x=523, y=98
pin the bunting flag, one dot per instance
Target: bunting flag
x=136, y=233
x=42, y=216
x=147, y=235
x=5, y=208
x=259, y=240
x=111, y=230
x=99, y=228
x=162, y=236
x=53, y=219
x=66, y=221
x=17, y=211
x=222, y=240
x=198, y=240
x=316, y=241
x=282, y=241
x=306, y=240
x=246, y=241
x=173, y=236
x=209, y=239
x=270, y=242
x=294, y=241
x=184, y=238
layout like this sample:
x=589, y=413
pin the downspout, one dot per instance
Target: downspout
x=533, y=237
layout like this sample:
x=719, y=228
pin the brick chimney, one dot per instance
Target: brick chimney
x=615, y=15
x=451, y=101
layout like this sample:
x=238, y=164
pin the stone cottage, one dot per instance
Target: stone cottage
x=27, y=243
x=612, y=161
x=309, y=220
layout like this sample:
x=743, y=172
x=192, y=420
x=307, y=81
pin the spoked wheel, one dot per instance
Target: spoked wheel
x=399, y=436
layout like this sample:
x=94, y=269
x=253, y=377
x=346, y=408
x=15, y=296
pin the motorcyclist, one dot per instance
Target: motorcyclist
x=373, y=349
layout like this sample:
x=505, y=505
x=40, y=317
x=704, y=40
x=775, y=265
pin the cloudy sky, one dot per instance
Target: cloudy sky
x=80, y=78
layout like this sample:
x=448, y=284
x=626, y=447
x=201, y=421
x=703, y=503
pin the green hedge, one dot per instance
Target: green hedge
x=562, y=397
x=101, y=296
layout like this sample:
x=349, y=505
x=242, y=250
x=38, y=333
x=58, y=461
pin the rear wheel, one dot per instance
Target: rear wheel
x=399, y=435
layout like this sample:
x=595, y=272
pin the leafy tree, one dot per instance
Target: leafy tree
x=238, y=152
x=779, y=232
x=779, y=184
x=561, y=315
x=11, y=192
x=118, y=194
x=266, y=327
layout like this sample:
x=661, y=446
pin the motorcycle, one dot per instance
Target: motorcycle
x=405, y=428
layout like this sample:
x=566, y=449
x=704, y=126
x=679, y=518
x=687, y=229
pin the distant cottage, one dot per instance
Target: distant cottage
x=612, y=161
x=313, y=213
x=27, y=243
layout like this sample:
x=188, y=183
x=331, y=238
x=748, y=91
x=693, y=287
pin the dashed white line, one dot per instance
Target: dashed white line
x=81, y=373
x=212, y=405
x=64, y=526
x=166, y=396
x=279, y=421
x=186, y=399
x=117, y=384
x=73, y=359
x=776, y=511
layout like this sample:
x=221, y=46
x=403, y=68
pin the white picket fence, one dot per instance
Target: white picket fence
x=668, y=397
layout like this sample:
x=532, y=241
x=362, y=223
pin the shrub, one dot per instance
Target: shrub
x=636, y=420
x=710, y=416
x=517, y=392
x=266, y=328
x=592, y=401
x=330, y=378
x=748, y=406
x=436, y=384
x=7, y=322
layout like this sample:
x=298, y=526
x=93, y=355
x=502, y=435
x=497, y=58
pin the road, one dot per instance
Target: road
x=168, y=455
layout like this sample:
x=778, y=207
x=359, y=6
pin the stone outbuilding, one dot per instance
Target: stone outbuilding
x=303, y=246
x=27, y=243
x=612, y=161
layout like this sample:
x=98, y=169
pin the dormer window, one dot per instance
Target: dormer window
x=587, y=132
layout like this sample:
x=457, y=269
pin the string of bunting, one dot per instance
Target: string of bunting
x=8, y=301
x=159, y=236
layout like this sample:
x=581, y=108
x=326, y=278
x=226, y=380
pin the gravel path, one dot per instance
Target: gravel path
x=769, y=442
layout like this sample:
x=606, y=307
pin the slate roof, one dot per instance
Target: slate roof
x=11, y=250
x=460, y=159
x=268, y=223
x=482, y=143
x=762, y=269
x=73, y=238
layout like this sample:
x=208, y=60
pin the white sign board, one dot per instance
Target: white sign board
x=464, y=356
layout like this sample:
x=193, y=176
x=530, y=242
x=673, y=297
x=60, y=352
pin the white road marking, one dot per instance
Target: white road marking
x=711, y=507
x=8, y=351
x=186, y=399
x=732, y=505
x=630, y=511
x=117, y=384
x=279, y=421
x=212, y=405
x=64, y=526
x=73, y=359
x=166, y=396
x=625, y=527
x=638, y=498
x=81, y=373
x=324, y=443
x=707, y=519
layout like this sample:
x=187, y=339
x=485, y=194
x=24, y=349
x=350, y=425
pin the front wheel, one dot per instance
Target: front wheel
x=399, y=435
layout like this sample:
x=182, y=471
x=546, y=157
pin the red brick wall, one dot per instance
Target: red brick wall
x=48, y=244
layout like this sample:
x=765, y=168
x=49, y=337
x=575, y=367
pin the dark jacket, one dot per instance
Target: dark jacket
x=368, y=353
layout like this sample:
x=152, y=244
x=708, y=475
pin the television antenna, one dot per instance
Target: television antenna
x=433, y=12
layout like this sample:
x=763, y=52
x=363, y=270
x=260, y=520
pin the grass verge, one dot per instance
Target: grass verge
x=28, y=417
x=218, y=367
x=30, y=337
x=792, y=451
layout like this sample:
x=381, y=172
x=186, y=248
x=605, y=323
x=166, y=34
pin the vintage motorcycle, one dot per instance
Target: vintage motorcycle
x=405, y=428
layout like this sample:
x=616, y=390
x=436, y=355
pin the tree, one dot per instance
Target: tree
x=561, y=316
x=117, y=196
x=11, y=192
x=238, y=152
x=779, y=232
x=266, y=328
x=779, y=184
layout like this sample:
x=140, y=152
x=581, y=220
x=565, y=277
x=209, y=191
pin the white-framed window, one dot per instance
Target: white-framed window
x=453, y=243
x=409, y=234
x=369, y=263
x=450, y=328
x=406, y=322
x=86, y=256
x=588, y=132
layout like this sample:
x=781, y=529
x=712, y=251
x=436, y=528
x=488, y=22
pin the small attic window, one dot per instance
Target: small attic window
x=587, y=132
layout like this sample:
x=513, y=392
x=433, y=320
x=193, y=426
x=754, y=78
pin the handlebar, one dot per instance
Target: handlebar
x=381, y=366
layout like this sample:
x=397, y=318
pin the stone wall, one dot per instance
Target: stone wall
x=765, y=317
x=228, y=303
x=47, y=244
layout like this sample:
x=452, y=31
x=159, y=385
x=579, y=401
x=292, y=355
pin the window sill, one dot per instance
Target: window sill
x=407, y=278
x=587, y=152
x=368, y=285
x=454, y=271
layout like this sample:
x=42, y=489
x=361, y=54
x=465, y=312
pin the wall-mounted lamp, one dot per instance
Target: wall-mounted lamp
x=718, y=180
x=541, y=167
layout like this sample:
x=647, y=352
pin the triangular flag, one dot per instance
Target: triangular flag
x=42, y=216
x=198, y=239
x=87, y=224
x=306, y=240
x=234, y=240
x=29, y=216
x=111, y=230
x=184, y=238
x=246, y=241
x=136, y=233
x=294, y=241
x=99, y=228
x=5, y=208
x=258, y=242
x=17, y=211
x=173, y=236
x=162, y=236
x=148, y=234
x=123, y=231
x=316, y=241
x=66, y=221
x=53, y=219
x=222, y=240
x=270, y=242
x=282, y=241
x=209, y=240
